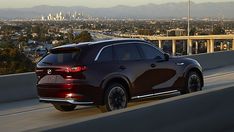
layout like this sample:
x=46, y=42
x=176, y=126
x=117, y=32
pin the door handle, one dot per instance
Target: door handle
x=122, y=67
x=153, y=65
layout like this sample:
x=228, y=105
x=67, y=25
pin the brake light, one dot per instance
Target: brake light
x=67, y=86
x=73, y=69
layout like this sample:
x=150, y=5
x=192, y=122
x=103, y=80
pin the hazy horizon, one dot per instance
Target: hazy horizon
x=91, y=3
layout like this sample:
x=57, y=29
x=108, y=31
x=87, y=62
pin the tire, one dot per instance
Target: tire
x=193, y=83
x=115, y=98
x=64, y=108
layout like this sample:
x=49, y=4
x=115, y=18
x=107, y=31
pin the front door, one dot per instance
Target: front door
x=160, y=73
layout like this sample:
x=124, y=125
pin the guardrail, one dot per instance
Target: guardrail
x=22, y=86
x=204, y=111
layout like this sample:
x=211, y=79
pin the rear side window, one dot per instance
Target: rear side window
x=125, y=52
x=151, y=52
x=106, y=55
x=61, y=58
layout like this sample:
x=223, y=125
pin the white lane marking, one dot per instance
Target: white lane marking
x=218, y=75
x=23, y=111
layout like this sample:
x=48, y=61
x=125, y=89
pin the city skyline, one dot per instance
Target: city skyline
x=90, y=3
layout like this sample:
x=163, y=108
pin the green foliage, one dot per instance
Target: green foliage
x=8, y=28
x=40, y=30
x=70, y=37
x=13, y=61
x=193, y=31
x=218, y=30
x=6, y=44
x=145, y=32
x=84, y=36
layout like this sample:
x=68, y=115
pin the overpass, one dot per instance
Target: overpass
x=20, y=110
x=210, y=41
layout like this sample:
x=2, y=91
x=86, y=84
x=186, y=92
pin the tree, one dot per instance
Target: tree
x=84, y=36
x=193, y=31
x=70, y=37
x=145, y=32
x=36, y=29
x=13, y=61
x=218, y=30
x=6, y=44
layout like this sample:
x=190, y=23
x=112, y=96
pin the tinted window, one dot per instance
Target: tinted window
x=60, y=58
x=126, y=52
x=106, y=55
x=151, y=52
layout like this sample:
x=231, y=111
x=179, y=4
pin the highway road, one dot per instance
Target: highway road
x=29, y=114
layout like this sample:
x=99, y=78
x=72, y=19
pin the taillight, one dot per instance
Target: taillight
x=68, y=86
x=73, y=69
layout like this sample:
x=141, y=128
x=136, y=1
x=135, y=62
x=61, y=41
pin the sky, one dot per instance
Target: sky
x=89, y=3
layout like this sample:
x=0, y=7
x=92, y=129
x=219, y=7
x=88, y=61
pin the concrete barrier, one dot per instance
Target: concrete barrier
x=17, y=87
x=199, y=112
x=22, y=86
x=214, y=60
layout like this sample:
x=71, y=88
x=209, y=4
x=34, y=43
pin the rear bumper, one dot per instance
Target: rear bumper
x=74, y=94
x=65, y=101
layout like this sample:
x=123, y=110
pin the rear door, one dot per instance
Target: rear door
x=103, y=66
x=131, y=64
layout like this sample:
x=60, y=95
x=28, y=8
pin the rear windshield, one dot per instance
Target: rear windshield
x=61, y=58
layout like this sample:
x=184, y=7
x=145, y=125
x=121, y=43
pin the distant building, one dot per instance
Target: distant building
x=32, y=42
x=229, y=31
x=49, y=17
x=55, y=42
x=66, y=16
x=34, y=35
x=42, y=18
x=176, y=32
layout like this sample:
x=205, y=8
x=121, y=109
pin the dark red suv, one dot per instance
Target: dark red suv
x=111, y=73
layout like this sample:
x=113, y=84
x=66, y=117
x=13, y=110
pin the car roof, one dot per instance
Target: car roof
x=105, y=42
x=121, y=40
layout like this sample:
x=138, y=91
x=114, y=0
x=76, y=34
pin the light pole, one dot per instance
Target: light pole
x=189, y=43
x=189, y=2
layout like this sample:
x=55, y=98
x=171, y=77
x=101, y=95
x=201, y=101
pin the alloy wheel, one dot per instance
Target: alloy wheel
x=194, y=83
x=117, y=98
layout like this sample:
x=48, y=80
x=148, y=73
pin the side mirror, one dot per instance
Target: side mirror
x=167, y=56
